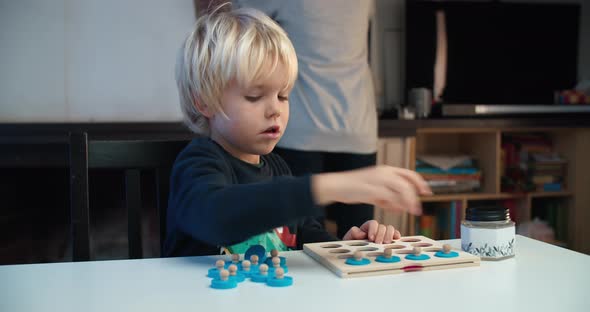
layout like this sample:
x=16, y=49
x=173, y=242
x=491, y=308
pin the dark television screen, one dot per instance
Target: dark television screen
x=497, y=52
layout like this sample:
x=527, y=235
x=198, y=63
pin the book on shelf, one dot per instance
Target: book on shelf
x=550, y=187
x=542, y=179
x=529, y=163
x=451, y=177
x=440, y=220
x=449, y=173
x=428, y=226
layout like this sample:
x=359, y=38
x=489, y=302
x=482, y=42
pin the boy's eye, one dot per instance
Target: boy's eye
x=252, y=98
x=283, y=98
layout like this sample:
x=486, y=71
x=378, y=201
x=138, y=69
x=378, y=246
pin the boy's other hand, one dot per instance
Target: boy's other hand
x=387, y=187
x=374, y=232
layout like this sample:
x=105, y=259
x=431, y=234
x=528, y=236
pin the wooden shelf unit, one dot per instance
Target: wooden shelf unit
x=466, y=196
x=491, y=196
x=485, y=145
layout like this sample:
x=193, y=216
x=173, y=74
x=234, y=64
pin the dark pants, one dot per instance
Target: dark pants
x=304, y=162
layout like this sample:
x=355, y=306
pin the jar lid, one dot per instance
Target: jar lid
x=487, y=213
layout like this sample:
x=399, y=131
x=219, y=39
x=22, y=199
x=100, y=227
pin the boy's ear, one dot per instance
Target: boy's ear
x=203, y=109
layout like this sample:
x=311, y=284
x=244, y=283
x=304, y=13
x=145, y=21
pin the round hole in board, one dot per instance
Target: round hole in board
x=339, y=251
x=394, y=247
x=367, y=249
x=410, y=240
x=422, y=245
x=358, y=244
x=330, y=246
x=344, y=256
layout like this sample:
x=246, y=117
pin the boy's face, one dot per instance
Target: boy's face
x=258, y=116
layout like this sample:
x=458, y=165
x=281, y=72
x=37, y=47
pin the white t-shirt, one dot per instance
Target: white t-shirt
x=332, y=106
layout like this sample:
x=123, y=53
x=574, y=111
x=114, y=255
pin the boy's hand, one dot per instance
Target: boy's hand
x=374, y=232
x=390, y=188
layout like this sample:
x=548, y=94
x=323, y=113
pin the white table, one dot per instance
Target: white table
x=541, y=277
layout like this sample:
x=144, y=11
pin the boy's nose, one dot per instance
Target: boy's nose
x=274, y=111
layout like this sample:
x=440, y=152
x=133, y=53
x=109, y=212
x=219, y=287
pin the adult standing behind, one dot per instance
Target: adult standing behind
x=333, y=124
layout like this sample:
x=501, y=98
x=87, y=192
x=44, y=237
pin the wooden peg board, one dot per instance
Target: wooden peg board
x=333, y=255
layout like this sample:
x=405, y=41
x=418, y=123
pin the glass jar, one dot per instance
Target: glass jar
x=488, y=232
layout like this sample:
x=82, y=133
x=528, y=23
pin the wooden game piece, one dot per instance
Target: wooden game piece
x=332, y=255
x=235, y=275
x=262, y=275
x=446, y=252
x=263, y=269
x=417, y=254
x=279, y=280
x=387, y=257
x=275, y=253
x=276, y=262
x=246, y=268
x=235, y=259
x=388, y=253
x=417, y=251
x=224, y=275
x=254, y=263
x=446, y=248
x=223, y=281
x=233, y=269
x=357, y=259
x=254, y=259
x=279, y=273
x=214, y=272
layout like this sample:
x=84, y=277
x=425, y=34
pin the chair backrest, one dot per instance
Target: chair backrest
x=161, y=159
x=163, y=187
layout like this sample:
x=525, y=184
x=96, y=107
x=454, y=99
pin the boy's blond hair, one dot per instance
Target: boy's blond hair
x=243, y=44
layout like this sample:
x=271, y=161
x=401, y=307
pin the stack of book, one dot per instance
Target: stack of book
x=531, y=164
x=449, y=174
x=546, y=171
x=427, y=226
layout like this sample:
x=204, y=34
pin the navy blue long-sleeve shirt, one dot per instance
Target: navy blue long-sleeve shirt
x=219, y=200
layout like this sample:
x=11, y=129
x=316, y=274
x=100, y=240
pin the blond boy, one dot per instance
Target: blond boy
x=234, y=75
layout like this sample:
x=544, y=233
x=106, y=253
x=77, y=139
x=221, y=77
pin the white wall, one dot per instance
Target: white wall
x=110, y=61
x=32, y=60
x=90, y=60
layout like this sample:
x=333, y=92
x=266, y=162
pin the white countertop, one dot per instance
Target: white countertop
x=541, y=277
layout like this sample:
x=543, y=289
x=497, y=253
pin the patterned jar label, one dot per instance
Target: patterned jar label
x=488, y=243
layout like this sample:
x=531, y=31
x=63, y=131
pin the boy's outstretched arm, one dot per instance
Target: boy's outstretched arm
x=390, y=188
x=206, y=205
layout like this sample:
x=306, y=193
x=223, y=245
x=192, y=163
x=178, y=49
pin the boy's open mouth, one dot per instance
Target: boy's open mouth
x=273, y=129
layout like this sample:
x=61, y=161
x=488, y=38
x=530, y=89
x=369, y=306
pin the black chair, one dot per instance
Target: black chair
x=135, y=158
